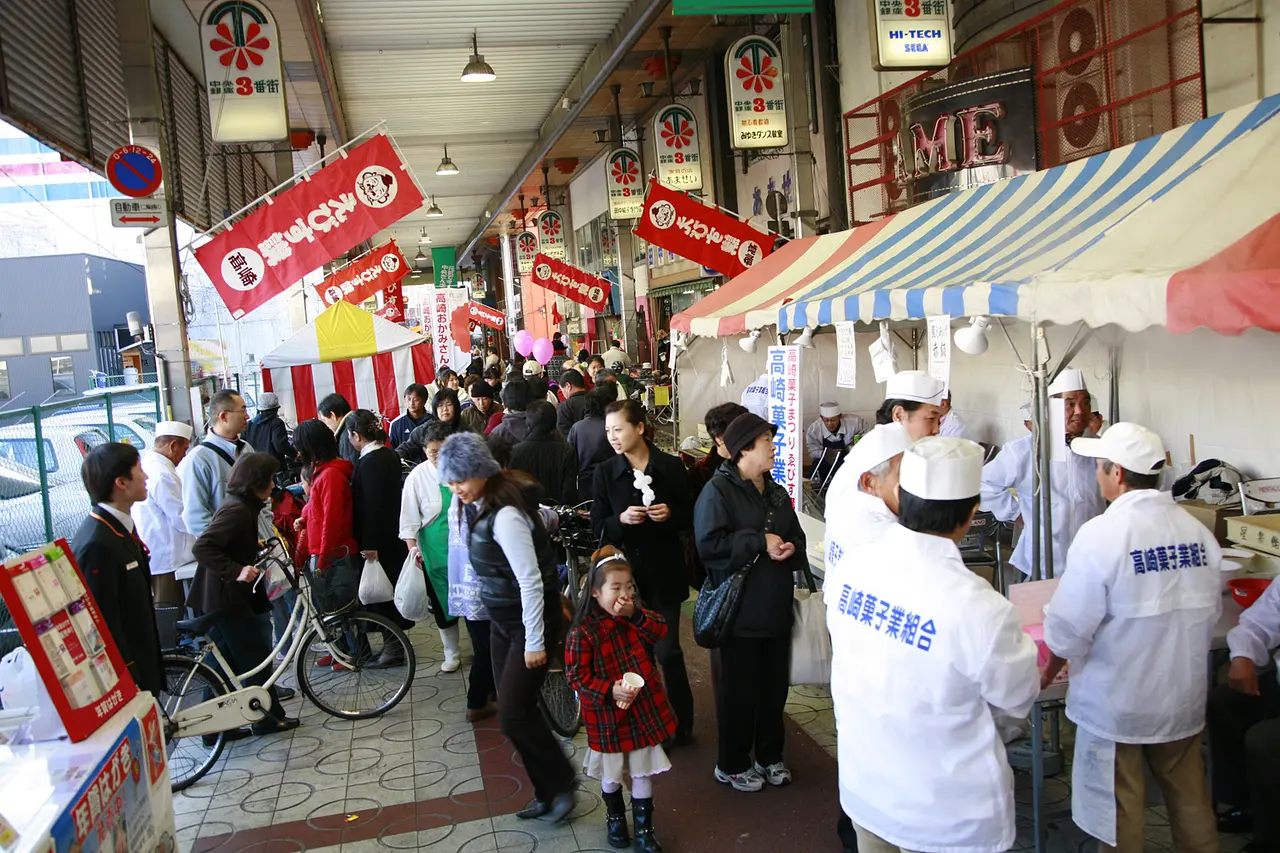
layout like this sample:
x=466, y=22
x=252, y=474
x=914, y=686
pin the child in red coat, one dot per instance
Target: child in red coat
x=613, y=635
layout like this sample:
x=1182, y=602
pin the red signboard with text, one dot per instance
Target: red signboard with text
x=364, y=277
x=706, y=235
x=570, y=282
x=360, y=193
x=477, y=313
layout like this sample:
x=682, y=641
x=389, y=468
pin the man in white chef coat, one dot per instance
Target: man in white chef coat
x=928, y=651
x=1075, y=497
x=1134, y=615
x=830, y=436
x=159, y=517
x=912, y=398
x=951, y=424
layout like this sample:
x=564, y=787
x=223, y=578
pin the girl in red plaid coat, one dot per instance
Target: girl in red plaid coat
x=612, y=635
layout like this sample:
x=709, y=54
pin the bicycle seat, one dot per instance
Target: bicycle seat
x=196, y=627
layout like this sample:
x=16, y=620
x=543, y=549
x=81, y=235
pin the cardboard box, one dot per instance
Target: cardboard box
x=1258, y=532
x=1212, y=516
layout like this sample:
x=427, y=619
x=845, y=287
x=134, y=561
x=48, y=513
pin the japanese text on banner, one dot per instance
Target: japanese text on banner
x=707, y=235
x=783, y=371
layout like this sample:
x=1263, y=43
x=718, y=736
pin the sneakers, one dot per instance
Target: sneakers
x=749, y=781
x=776, y=775
x=451, y=665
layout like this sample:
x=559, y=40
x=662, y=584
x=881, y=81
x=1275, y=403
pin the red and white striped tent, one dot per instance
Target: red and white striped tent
x=366, y=359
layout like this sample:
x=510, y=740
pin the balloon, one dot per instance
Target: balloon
x=542, y=350
x=523, y=342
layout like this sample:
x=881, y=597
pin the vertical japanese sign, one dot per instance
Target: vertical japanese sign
x=526, y=251
x=444, y=261
x=675, y=136
x=940, y=349
x=846, y=355
x=447, y=351
x=783, y=372
x=622, y=181
x=241, y=47
x=909, y=34
x=551, y=235
x=757, y=103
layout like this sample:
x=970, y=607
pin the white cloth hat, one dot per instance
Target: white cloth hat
x=532, y=368
x=829, y=410
x=884, y=442
x=1134, y=448
x=1070, y=379
x=913, y=385
x=175, y=428
x=942, y=469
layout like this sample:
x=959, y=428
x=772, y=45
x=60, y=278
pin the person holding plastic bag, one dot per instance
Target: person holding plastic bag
x=376, y=492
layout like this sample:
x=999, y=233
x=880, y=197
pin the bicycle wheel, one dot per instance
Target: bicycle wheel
x=356, y=665
x=189, y=682
x=560, y=705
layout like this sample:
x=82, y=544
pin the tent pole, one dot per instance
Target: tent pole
x=1046, y=452
x=1037, y=439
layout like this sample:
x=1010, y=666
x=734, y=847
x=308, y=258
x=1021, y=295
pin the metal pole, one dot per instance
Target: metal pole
x=665, y=33
x=626, y=252
x=1037, y=438
x=41, y=469
x=111, y=419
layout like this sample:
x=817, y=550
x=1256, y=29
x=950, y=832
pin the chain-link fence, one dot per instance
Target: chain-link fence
x=41, y=451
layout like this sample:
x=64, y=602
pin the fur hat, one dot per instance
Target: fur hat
x=463, y=456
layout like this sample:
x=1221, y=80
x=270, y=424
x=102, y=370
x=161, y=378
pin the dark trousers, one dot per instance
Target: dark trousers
x=480, y=677
x=671, y=657
x=519, y=717
x=1244, y=748
x=754, y=677
x=241, y=641
x=847, y=834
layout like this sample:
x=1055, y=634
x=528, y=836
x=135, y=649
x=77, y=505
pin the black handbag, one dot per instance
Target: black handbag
x=717, y=607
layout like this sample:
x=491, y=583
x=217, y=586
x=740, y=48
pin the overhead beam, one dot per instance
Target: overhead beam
x=594, y=73
x=320, y=57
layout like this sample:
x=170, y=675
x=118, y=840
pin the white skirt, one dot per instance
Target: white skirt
x=611, y=766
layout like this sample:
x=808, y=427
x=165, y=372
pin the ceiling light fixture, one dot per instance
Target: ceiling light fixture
x=477, y=70
x=424, y=240
x=434, y=211
x=805, y=339
x=420, y=258
x=646, y=89
x=972, y=339
x=602, y=137
x=447, y=166
x=750, y=342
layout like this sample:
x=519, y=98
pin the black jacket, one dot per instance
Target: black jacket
x=588, y=438
x=551, y=461
x=345, y=450
x=376, y=487
x=116, y=570
x=654, y=549
x=572, y=410
x=498, y=587
x=729, y=522
x=266, y=433
x=226, y=547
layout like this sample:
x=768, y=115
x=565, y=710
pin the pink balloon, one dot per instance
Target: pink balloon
x=523, y=342
x=542, y=350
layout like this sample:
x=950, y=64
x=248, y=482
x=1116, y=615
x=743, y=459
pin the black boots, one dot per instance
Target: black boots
x=615, y=816
x=642, y=812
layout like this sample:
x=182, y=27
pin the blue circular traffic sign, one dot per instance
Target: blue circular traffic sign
x=134, y=171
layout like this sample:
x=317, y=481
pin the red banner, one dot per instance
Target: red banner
x=570, y=282
x=477, y=313
x=364, y=277
x=393, y=303
x=357, y=195
x=706, y=235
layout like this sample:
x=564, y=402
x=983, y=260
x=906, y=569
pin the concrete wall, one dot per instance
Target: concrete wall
x=41, y=297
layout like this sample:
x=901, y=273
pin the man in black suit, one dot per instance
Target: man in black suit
x=114, y=561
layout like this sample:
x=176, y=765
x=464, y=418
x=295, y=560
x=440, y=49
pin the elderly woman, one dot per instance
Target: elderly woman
x=512, y=555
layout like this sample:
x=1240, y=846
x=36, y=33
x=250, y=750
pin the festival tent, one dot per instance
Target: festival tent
x=366, y=359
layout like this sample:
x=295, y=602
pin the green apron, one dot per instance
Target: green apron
x=433, y=542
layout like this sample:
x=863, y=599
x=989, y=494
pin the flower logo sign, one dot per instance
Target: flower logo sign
x=679, y=155
x=622, y=176
x=244, y=75
x=526, y=250
x=756, y=71
x=236, y=42
x=757, y=103
x=551, y=234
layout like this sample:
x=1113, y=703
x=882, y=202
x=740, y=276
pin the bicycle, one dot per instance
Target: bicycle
x=342, y=651
x=559, y=702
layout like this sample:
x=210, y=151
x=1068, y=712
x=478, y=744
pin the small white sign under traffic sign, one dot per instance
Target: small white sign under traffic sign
x=138, y=212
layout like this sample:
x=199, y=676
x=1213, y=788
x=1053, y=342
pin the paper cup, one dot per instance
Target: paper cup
x=635, y=682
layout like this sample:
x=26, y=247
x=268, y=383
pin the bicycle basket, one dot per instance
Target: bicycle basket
x=335, y=589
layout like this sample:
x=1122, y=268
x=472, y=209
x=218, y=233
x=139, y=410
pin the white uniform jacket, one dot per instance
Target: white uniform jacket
x=1134, y=616
x=421, y=501
x=928, y=650
x=1258, y=631
x=159, y=517
x=953, y=426
x=851, y=426
x=1075, y=497
x=853, y=522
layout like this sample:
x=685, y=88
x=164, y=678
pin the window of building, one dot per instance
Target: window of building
x=70, y=343
x=4, y=380
x=64, y=374
x=10, y=346
x=43, y=343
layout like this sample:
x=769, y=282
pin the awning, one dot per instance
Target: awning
x=341, y=331
x=1179, y=230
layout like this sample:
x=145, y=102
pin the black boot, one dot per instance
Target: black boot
x=615, y=817
x=642, y=812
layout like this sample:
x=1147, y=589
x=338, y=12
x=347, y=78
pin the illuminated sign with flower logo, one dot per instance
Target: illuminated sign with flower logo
x=757, y=102
x=622, y=179
x=243, y=73
x=551, y=235
x=526, y=250
x=679, y=154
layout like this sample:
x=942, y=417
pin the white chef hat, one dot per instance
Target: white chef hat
x=1134, y=448
x=942, y=469
x=829, y=410
x=913, y=385
x=174, y=428
x=1070, y=379
x=882, y=443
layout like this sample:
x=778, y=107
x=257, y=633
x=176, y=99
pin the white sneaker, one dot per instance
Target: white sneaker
x=776, y=775
x=451, y=665
x=749, y=780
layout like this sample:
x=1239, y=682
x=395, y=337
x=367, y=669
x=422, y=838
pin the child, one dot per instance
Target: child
x=300, y=552
x=612, y=635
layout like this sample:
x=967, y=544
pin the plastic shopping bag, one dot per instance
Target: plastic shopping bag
x=411, y=592
x=275, y=581
x=810, y=642
x=375, y=586
x=464, y=585
x=21, y=687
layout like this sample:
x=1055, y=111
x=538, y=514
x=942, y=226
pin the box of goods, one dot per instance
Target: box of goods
x=1212, y=516
x=1258, y=532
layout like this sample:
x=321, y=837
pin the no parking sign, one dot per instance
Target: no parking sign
x=134, y=171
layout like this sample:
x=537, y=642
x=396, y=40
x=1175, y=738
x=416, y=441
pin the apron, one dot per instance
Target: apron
x=433, y=542
x=1093, y=786
x=829, y=462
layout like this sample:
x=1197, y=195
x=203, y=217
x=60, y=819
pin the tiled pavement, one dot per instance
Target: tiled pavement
x=422, y=778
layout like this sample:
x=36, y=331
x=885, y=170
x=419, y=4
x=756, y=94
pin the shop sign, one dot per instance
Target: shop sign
x=705, y=235
x=570, y=282
x=551, y=235
x=757, y=103
x=448, y=351
x=315, y=221
x=608, y=246
x=444, y=264
x=909, y=34
x=526, y=251
x=741, y=7
x=940, y=348
x=364, y=277
x=245, y=77
x=675, y=136
x=966, y=134
x=783, y=372
x=622, y=179
x=472, y=314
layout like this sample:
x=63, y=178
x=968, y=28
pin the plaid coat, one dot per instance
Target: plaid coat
x=597, y=653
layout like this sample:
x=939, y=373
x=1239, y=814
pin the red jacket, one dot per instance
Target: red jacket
x=330, y=513
x=596, y=655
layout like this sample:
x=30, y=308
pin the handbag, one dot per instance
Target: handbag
x=810, y=641
x=716, y=608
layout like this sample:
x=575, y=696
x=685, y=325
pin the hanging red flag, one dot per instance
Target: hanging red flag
x=362, y=278
x=556, y=319
x=705, y=235
x=569, y=281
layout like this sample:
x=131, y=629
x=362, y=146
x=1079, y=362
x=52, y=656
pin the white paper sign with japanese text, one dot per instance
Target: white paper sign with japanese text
x=243, y=73
x=940, y=349
x=846, y=355
x=757, y=103
x=782, y=369
x=447, y=352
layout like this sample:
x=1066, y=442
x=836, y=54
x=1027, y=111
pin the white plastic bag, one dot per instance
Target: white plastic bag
x=375, y=586
x=21, y=687
x=411, y=592
x=275, y=581
x=810, y=642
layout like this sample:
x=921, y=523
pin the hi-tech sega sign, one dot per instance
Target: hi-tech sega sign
x=910, y=34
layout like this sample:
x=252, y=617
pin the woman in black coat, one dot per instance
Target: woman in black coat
x=546, y=456
x=225, y=578
x=744, y=519
x=646, y=519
